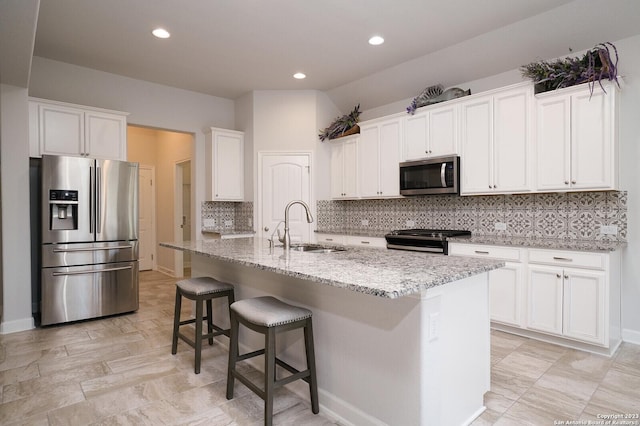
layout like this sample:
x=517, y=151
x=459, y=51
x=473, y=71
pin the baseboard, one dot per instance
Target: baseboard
x=167, y=271
x=17, y=325
x=631, y=336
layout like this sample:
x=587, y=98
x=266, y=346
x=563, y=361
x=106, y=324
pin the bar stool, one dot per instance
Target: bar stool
x=268, y=315
x=199, y=289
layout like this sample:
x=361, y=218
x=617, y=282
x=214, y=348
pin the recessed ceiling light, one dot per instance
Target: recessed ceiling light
x=299, y=75
x=161, y=33
x=376, y=40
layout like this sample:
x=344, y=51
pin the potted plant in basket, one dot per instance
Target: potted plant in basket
x=594, y=66
x=342, y=126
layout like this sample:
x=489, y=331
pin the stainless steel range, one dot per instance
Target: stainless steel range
x=428, y=240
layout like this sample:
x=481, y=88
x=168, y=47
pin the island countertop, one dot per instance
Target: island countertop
x=375, y=271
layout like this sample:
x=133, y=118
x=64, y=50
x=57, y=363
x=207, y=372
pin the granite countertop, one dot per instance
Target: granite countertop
x=375, y=271
x=541, y=243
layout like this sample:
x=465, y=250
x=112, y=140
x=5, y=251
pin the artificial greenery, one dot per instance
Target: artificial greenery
x=594, y=66
x=341, y=125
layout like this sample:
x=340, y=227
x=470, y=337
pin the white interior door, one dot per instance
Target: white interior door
x=146, y=224
x=284, y=178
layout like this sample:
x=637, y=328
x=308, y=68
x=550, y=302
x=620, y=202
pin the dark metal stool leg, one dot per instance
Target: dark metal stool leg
x=209, y=320
x=176, y=322
x=233, y=353
x=198, y=336
x=270, y=374
x=311, y=365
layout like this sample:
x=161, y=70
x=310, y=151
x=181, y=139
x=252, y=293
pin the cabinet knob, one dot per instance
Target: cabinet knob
x=566, y=182
x=490, y=186
x=266, y=229
x=573, y=182
x=566, y=277
x=558, y=276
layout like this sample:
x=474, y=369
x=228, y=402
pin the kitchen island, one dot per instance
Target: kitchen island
x=402, y=338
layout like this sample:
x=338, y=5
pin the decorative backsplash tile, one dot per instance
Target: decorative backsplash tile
x=569, y=216
x=227, y=216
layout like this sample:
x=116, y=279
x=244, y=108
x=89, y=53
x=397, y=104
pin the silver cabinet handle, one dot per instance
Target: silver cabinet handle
x=564, y=259
x=328, y=239
x=92, y=271
x=481, y=252
x=365, y=242
x=71, y=250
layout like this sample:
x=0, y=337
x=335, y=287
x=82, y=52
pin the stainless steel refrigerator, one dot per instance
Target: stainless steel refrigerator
x=89, y=238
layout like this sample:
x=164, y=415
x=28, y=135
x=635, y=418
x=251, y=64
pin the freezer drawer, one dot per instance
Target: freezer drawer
x=74, y=254
x=82, y=292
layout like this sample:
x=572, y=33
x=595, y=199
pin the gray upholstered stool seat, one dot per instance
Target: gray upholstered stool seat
x=268, y=315
x=199, y=289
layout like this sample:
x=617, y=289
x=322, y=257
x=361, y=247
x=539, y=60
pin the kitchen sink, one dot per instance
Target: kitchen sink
x=316, y=248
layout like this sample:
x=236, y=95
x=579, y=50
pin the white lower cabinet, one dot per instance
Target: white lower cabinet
x=567, y=295
x=505, y=284
x=330, y=238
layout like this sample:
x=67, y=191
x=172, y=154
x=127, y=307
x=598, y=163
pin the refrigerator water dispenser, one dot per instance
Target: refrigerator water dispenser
x=63, y=209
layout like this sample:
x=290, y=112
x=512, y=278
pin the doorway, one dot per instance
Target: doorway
x=182, y=215
x=162, y=150
x=146, y=216
x=284, y=177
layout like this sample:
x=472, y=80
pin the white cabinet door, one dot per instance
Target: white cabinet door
x=61, y=130
x=379, y=158
x=224, y=150
x=369, y=161
x=585, y=302
x=416, y=129
x=443, y=131
x=106, y=135
x=389, y=159
x=511, y=133
x=544, y=296
x=476, y=146
x=344, y=168
x=553, y=118
x=591, y=140
x=576, y=147
x=505, y=294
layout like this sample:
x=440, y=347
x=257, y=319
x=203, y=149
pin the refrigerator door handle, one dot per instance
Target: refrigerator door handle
x=91, y=271
x=98, y=201
x=91, y=199
x=91, y=249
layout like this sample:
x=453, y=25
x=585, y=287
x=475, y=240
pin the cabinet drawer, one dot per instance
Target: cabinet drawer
x=330, y=238
x=568, y=258
x=493, y=252
x=353, y=240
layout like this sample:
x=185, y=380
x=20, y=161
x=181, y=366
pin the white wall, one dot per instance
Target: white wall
x=16, y=261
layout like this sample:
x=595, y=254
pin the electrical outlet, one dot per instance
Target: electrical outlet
x=409, y=223
x=209, y=223
x=500, y=226
x=228, y=223
x=434, y=326
x=609, y=229
x=364, y=222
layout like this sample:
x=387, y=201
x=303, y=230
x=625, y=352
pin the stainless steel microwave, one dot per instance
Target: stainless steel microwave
x=436, y=175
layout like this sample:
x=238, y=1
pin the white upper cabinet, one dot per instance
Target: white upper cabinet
x=576, y=139
x=379, y=158
x=224, y=150
x=431, y=132
x=57, y=128
x=344, y=167
x=495, y=142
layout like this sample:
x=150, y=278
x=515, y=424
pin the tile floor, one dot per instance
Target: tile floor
x=120, y=370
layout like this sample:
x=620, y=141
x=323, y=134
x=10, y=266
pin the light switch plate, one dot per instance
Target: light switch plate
x=609, y=229
x=500, y=226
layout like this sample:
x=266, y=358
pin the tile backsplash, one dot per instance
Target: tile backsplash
x=227, y=216
x=573, y=215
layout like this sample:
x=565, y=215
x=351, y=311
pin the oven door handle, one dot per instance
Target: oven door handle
x=91, y=271
x=443, y=179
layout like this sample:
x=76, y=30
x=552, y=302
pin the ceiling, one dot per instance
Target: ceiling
x=228, y=48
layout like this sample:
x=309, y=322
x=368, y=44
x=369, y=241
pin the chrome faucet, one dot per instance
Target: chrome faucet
x=286, y=238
